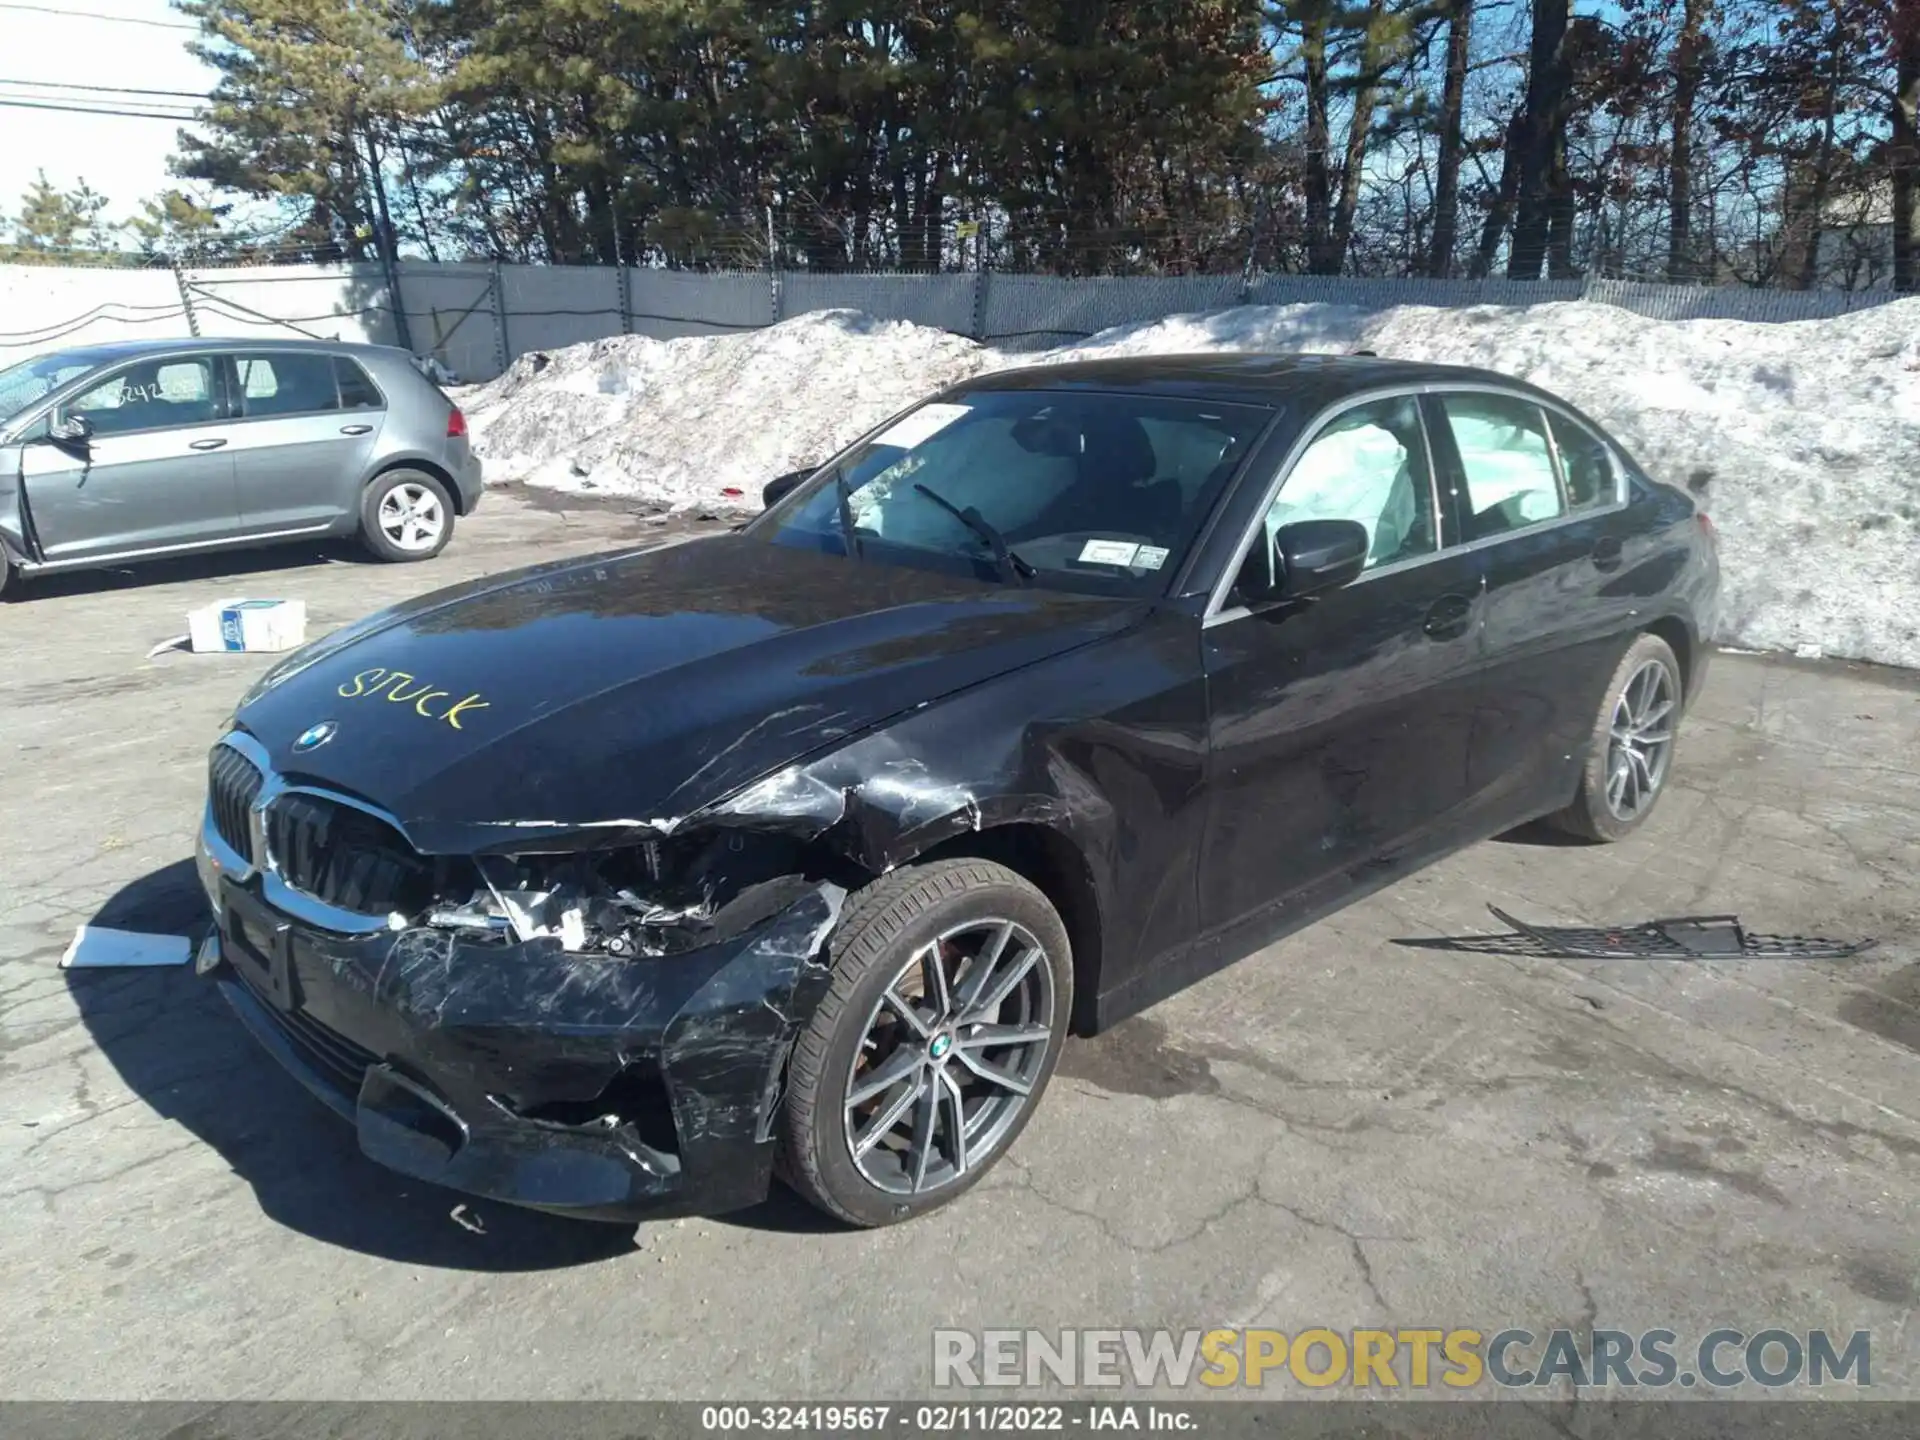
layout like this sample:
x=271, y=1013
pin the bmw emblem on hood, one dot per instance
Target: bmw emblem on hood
x=314, y=736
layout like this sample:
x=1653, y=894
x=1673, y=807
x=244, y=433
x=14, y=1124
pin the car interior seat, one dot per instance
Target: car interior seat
x=1115, y=490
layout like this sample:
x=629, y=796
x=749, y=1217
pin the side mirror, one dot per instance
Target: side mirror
x=71, y=430
x=784, y=485
x=1310, y=557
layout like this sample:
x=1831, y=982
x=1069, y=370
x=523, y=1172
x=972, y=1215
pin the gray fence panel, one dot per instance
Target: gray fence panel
x=55, y=307
x=1732, y=302
x=284, y=302
x=1378, y=294
x=942, y=301
x=1026, y=312
x=669, y=304
x=551, y=306
x=450, y=316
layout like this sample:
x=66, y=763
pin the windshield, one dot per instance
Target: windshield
x=22, y=384
x=1077, y=490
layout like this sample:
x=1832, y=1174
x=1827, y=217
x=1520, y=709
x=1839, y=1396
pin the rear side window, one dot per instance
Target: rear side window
x=152, y=395
x=1587, y=462
x=1506, y=461
x=290, y=384
x=357, y=390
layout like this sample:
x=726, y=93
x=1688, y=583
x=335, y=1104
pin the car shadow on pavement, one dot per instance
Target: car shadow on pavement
x=186, y=568
x=174, y=1042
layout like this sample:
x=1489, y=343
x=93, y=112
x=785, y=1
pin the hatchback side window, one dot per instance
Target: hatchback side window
x=1368, y=464
x=152, y=395
x=1507, y=462
x=291, y=384
x=1587, y=463
x=357, y=391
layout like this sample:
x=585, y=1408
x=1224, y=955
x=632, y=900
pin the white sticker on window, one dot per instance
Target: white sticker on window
x=922, y=425
x=1150, y=557
x=1108, y=552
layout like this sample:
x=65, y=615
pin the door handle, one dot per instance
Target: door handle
x=1448, y=618
x=211, y=444
x=355, y=429
x=1607, y=554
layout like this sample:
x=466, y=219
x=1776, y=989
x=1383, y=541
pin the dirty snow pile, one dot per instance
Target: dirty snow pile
x=1802, y=440
x=682, y=422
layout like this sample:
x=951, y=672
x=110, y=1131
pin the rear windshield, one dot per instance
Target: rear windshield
x=1101, y=492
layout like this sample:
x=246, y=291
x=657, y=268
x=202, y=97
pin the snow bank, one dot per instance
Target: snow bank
x=682, y=422
x=1802, y=440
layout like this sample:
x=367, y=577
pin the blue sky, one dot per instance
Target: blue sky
x=123, y=158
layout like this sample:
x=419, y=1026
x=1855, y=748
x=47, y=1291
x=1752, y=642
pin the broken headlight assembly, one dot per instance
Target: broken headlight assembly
x=652, y=898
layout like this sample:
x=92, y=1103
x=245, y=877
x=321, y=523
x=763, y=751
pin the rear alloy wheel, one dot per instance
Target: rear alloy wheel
x=1631, y=752
x=952, y=988
x=406, y=515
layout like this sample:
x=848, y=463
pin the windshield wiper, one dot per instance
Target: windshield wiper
x=1007, y=559
x=849, y=532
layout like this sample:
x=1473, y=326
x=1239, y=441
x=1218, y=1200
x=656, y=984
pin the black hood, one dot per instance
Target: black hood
x=640, y=686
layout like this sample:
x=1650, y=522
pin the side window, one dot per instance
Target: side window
x=152, y=395
x=1370, y=465
x=291, y=384
x=1587, y=462
x=357, y=391
x=1508, y=464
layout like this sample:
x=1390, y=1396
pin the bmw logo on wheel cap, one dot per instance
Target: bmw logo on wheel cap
x=314, y=736
x=941, y=1044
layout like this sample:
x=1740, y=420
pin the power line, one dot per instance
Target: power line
x=104, y=89
x=98, y=15
x=185, y=116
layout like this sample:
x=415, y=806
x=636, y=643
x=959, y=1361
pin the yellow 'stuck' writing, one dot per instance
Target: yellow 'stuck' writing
x=393, y=686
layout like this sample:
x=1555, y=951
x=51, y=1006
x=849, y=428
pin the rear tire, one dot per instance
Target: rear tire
x=957, y=1099
x=406, y=515
x=1630, y=753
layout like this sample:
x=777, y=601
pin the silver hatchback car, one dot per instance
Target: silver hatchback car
x=117, y=453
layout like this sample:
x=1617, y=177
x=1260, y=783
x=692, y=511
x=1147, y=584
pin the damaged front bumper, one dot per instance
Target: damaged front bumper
x=609, y=1088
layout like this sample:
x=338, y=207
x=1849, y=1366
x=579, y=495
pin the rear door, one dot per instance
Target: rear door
x=155, y=473
x=301, y=439
x=1539, y=500
x=1339, y=726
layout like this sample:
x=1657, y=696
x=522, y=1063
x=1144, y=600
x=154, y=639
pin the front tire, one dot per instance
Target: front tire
x=949, y=1004
x=406, y=515
x=1630, y=754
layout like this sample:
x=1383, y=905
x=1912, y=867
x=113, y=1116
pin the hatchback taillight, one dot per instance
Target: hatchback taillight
x=1706, y=527
x=456, y=423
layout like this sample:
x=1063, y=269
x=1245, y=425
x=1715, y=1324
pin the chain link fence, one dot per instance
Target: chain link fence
x=475, y=318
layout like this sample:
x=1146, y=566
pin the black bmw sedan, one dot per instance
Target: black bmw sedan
x=618, y=885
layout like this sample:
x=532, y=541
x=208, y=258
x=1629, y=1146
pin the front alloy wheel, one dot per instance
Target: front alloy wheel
x=952, y=986
x=951, y=1054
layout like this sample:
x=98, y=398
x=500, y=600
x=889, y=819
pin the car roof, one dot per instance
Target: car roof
x=112, y=351
x=1247, y=377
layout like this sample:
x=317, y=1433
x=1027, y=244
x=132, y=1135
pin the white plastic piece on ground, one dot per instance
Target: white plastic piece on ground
x=1797, y=438
x=242, y=624
x=97, y=947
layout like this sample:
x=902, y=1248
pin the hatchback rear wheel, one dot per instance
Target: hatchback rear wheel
x=406, y=515
x=952, y=987
x=1631, y=753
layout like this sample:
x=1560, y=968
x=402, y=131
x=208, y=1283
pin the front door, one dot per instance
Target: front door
x=298, y=455
x=1340, y=726
x=154, y=474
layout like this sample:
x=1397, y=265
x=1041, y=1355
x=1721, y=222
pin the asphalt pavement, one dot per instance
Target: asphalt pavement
x=1383, y=1121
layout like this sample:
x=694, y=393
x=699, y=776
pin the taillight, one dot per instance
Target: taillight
x=1706, y=527
x=456, y=423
